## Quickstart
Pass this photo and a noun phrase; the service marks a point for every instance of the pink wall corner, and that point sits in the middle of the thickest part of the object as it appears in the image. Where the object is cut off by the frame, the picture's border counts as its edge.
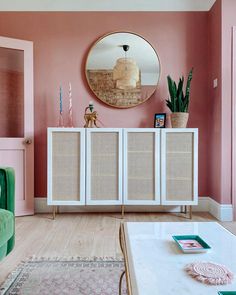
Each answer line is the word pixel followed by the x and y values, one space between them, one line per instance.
pixel 215 103
pixel 61 43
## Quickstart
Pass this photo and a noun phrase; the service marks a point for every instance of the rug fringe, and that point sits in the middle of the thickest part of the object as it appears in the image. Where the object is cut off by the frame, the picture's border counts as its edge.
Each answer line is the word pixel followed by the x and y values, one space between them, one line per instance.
pixel 74 258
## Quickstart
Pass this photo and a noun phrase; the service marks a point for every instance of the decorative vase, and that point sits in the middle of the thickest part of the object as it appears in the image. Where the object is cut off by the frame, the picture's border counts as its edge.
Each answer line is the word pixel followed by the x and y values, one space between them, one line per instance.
pixel 179 120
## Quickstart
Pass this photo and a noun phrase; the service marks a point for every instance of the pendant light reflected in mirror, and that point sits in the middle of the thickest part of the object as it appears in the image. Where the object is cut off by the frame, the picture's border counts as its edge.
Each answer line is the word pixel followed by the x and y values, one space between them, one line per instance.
pixel 126 71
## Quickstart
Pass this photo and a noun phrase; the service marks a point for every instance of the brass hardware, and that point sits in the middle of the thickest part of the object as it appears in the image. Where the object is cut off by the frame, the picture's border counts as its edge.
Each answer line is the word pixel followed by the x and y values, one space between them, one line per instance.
pixel 190 212
pixel 124 250
pixel 120 282
pixel 28 141
pixel 55 210
pixel 90 118
pixel 185 209
pixel 121 246
pixel 123 211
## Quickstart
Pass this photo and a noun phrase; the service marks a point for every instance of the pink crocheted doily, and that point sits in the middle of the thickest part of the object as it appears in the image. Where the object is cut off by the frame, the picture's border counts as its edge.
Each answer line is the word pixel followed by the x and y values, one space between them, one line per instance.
pixel 210 273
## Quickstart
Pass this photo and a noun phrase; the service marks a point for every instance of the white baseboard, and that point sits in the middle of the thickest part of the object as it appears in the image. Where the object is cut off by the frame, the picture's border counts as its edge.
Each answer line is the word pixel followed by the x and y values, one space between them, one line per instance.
pixel 222 212
pixel 205 204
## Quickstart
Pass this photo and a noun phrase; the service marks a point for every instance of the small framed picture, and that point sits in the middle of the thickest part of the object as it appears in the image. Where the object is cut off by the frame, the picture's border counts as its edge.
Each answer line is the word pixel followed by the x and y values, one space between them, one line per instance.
pixel 160 120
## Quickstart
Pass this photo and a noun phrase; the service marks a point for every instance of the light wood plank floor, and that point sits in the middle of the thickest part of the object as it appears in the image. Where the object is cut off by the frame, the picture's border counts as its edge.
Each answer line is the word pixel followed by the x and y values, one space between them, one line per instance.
pixel 83 235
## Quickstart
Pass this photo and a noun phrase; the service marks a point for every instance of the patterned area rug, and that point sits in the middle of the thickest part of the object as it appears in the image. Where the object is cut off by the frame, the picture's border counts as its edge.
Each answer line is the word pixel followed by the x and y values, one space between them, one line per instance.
pixel 74 277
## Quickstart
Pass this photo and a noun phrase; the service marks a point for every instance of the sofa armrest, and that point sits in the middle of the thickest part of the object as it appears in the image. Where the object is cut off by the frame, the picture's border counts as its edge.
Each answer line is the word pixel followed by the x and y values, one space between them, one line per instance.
pixel 7 183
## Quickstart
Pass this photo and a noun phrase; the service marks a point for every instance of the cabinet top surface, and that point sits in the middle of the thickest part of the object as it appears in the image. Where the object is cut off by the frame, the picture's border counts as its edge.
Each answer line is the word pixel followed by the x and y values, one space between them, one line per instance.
pixel 156 262
pixel 67 129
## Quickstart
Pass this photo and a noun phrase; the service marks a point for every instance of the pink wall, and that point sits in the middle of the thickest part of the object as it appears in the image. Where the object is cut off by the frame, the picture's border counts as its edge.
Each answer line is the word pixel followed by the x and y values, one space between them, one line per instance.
pixel 61 43
pixel 221 20
pixel 214 108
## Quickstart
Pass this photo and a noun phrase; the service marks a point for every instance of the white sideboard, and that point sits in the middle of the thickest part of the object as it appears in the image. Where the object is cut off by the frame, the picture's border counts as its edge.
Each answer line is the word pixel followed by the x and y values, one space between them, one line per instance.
pixel 122 166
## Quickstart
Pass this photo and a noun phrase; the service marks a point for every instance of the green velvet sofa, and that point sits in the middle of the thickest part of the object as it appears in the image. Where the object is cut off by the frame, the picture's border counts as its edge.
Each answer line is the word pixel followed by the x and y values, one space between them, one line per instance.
pixel 7 206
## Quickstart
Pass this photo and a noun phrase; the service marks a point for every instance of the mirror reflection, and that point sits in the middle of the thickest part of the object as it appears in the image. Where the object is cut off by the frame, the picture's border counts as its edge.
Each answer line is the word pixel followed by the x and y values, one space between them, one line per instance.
pixel 122 69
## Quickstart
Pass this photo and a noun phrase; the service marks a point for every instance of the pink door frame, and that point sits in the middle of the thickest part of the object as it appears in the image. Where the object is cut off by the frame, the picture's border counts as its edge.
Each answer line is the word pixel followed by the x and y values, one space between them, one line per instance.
pixel 19 152
pixel 234 120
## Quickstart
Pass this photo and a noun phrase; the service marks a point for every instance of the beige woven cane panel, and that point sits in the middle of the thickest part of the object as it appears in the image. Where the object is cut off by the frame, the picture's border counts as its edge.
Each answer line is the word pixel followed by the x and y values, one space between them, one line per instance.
pixel 179 190
pixel 141 166
pixel 179 166
pixel 66 166
pixel 179 142
pixel 104 165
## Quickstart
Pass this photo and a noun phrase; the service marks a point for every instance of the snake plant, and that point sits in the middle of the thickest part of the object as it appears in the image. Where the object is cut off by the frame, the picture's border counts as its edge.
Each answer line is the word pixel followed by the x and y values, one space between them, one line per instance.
pixel 178 101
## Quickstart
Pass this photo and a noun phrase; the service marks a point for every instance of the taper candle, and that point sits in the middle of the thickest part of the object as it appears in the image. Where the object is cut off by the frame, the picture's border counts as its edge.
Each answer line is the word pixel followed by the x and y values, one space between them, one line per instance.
pixel 70 98
pixel 70 106
pixel 60 100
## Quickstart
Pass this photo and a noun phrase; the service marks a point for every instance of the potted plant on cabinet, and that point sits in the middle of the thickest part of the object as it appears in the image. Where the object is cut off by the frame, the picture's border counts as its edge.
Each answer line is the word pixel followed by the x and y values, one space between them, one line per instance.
pixel 178 102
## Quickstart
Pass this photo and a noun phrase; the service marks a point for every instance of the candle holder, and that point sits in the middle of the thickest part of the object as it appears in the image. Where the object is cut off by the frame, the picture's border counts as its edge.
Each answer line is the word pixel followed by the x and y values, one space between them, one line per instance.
pixel 60 121
pixel 90 116
pixel 70 121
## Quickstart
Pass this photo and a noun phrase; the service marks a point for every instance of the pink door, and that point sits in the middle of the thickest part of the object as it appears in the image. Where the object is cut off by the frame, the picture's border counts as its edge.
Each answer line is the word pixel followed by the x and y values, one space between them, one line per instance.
pixel 16 118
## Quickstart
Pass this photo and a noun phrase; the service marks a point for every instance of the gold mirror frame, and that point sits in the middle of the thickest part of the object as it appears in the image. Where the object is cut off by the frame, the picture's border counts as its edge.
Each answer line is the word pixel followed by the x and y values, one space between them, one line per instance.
pixel 98 76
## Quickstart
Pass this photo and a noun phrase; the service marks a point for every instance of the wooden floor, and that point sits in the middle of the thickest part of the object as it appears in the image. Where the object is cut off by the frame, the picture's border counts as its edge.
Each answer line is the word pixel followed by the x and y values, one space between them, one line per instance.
pixel 83 235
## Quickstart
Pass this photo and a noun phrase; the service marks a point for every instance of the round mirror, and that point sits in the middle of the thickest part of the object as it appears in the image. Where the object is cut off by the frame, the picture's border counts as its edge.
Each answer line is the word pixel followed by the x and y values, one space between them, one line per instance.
pixel 122 69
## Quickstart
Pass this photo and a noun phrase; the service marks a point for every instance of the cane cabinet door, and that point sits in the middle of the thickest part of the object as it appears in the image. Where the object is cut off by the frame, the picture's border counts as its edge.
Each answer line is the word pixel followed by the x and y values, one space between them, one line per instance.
pixel 66 166
pixel 142 166
pixel 104 166
pixel 179 166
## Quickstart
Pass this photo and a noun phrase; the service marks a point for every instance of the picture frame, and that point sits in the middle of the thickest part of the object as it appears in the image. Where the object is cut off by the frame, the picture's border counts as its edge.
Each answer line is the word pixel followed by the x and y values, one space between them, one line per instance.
pixel 160 120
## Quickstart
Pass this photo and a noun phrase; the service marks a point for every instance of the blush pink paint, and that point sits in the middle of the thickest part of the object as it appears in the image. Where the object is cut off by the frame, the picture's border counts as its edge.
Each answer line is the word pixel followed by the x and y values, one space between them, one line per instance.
pixel 61 43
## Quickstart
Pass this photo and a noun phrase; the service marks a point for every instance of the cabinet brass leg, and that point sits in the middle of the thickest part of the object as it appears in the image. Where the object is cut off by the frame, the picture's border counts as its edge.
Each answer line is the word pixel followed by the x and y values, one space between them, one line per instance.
pixel 185 209
pixel 190 212
pixel 120 282
pixel 55 210
pixel 123 211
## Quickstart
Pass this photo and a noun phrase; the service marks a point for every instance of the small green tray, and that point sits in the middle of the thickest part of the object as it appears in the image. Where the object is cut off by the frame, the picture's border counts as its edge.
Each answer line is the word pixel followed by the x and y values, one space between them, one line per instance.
pixel 203 246
pixel 227 293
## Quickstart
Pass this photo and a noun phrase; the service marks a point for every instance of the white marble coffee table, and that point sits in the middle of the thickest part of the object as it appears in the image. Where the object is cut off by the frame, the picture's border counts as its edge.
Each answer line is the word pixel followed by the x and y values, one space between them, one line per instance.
pixel 155 265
